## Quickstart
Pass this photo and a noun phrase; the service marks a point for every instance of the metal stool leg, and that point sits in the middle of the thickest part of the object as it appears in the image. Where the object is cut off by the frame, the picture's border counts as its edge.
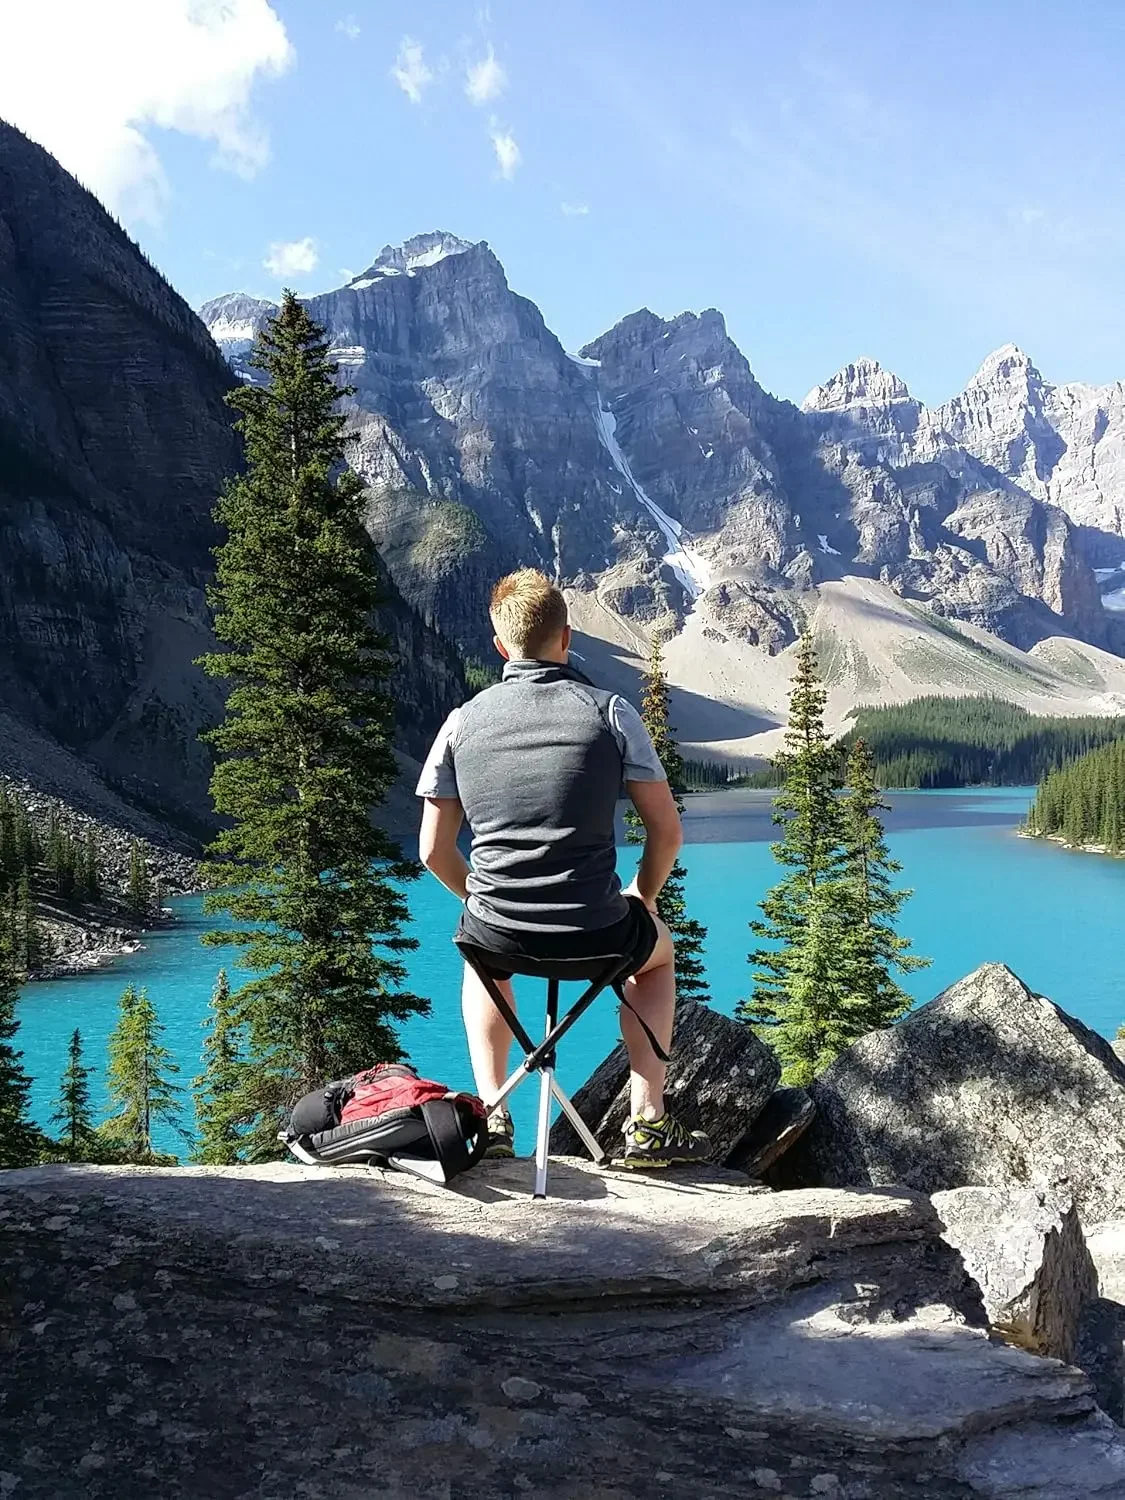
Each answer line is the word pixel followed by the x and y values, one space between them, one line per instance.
pixel 546 1083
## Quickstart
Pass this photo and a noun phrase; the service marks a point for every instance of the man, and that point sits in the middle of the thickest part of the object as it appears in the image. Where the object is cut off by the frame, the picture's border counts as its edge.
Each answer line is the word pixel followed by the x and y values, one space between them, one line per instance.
pixel 536 764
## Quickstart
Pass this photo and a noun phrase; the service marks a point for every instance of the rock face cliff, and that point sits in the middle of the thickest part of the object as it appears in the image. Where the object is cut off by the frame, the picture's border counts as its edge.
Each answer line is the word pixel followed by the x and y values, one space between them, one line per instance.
pixel 114 442
pixel 653 474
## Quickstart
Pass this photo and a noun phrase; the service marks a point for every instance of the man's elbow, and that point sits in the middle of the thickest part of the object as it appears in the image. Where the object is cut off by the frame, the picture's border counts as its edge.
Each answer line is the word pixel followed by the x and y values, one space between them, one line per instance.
pixel 428 853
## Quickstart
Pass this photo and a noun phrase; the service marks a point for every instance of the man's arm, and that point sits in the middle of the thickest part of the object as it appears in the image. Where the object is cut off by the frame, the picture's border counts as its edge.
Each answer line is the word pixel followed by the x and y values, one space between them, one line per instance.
pixel 437 843
pixel 664 837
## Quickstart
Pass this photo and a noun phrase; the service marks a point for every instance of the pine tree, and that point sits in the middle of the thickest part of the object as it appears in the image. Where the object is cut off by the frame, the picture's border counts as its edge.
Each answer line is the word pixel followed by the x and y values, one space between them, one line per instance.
pixel 20 1142
pixel 138 895
pixel 799 985
pixel 671 905
pixel 9 854
pixel 90 872
pixel 30 948
pixel 217 1090
pixel 139 1081
pixel 872 949
pixel 305 749
pixel 72 1107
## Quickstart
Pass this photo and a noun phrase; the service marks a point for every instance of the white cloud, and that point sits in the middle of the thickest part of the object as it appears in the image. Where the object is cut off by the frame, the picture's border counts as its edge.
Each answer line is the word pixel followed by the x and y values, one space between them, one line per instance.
pixel 508 155
pixel 485 80
pixel 410 71
pixel 291 258
pixel 575 210
pixel 89 82
pixel 349 27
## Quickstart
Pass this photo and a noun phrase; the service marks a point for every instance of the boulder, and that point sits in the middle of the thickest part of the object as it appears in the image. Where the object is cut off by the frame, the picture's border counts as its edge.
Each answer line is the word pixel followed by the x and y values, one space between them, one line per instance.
pixel 1107 1247
pixel 1101 1354
pixel 719 1080
pixel 1025 1249
pixel 787 1115
pixel 989 1084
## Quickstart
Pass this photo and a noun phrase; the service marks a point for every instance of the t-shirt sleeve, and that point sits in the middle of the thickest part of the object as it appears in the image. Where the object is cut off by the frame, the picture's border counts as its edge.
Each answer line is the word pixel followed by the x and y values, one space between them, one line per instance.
pixel 637 750
pixel 438 778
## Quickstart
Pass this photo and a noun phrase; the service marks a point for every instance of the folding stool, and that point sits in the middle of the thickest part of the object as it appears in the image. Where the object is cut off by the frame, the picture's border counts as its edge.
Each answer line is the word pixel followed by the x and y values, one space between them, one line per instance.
pixel 601 972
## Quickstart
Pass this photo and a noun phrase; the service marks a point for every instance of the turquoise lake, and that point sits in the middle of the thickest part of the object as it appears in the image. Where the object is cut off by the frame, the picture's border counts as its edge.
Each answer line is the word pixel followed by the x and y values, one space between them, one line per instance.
pixel 981 893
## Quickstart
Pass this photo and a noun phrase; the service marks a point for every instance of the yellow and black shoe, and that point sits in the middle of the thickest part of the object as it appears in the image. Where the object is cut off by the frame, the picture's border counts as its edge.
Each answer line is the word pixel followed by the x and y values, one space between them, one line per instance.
pixel 664 1143
pixel 501 1135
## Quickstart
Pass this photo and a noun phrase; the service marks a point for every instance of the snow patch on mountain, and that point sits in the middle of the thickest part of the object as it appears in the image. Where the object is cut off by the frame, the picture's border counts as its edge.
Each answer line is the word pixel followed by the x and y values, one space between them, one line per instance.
pixel 691 569
pixel 407 259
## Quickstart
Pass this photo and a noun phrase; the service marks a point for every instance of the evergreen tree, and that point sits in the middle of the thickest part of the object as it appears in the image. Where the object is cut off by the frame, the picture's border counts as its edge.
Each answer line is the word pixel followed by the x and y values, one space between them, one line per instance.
pixel 20 1142
pixel 671 905
pixel 799 984
pixel 9 854
pixel 305 749
pixel 88 874
pixel 139 1081
pixel 138 895
pixel 871 949
pixel 217 1089
pixel 72 1107
pixel 29 946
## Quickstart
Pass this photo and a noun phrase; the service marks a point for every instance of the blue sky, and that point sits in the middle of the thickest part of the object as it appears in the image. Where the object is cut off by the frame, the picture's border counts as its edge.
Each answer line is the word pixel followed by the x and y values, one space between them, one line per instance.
pixel 916 183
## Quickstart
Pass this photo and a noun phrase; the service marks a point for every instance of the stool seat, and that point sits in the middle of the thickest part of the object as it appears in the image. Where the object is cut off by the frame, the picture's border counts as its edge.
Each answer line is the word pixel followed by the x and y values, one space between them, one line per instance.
pixel 599 973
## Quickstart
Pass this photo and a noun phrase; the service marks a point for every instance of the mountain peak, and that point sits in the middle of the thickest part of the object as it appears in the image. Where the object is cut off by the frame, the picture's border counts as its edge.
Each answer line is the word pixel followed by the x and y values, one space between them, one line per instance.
pixel 412 255
pixel 862 383
pixel 233 320
pixel 1007 365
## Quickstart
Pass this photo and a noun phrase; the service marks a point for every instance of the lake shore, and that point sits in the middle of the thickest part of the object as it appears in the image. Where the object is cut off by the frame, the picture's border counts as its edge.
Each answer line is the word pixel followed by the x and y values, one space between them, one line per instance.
pixel 1057 838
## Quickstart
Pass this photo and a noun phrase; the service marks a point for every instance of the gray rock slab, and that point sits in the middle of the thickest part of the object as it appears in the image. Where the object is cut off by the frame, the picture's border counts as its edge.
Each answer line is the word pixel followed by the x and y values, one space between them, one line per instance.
pixel 988 1084
pixel 818 1360
pixel 719 1081
pixel 602 1236
pixel 1026 1251
pixel 281 1331
pixel 1038 1461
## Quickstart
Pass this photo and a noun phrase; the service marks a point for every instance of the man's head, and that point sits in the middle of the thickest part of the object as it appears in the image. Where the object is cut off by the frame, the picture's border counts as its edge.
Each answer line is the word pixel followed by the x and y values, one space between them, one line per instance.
pixel 529 617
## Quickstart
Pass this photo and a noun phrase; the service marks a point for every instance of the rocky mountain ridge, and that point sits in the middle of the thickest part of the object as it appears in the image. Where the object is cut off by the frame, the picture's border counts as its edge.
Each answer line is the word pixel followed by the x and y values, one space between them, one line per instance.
pixel 653 475
pixel 114 443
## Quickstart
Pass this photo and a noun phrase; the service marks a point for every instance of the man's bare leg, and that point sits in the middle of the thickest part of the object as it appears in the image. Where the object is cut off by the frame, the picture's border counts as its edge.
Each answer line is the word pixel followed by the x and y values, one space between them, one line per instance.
pixel 652 994
pixel 489 1035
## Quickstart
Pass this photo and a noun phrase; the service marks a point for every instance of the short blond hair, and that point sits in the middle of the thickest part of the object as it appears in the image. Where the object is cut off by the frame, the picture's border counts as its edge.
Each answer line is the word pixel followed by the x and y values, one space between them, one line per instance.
pixel 527 611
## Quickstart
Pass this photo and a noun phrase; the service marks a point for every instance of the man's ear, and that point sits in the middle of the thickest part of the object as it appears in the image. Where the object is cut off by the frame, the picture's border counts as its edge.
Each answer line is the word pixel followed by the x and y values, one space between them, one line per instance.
pixel 567 636
pixel 500 646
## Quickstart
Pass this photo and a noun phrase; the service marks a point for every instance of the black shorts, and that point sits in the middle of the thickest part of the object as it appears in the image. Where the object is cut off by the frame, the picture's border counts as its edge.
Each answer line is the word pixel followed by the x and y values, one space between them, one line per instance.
pixel 634 937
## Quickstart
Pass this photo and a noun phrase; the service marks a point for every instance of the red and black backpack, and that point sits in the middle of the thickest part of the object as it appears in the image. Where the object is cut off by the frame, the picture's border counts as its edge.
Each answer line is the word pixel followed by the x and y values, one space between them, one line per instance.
pixel 389 1115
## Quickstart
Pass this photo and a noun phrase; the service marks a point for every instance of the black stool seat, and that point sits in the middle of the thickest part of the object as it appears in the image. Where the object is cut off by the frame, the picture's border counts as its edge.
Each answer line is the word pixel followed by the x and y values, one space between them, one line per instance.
pixel 599 973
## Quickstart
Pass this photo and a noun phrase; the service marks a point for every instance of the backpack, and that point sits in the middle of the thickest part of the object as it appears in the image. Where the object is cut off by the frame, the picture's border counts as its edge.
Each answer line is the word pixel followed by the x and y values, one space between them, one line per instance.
pixel 390 1116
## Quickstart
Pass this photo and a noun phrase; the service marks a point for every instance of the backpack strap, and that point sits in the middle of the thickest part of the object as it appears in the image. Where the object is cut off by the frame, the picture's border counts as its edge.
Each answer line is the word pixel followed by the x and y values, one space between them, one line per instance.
pixel 443 1119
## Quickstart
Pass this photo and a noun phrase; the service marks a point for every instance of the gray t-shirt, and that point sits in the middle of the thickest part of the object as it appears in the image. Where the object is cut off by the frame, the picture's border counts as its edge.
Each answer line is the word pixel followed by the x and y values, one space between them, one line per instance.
pixel 638 753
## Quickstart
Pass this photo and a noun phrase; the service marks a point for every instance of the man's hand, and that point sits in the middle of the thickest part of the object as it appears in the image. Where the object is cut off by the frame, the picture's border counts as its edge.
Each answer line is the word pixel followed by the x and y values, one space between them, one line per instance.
pixel 632 890
pixel 437 843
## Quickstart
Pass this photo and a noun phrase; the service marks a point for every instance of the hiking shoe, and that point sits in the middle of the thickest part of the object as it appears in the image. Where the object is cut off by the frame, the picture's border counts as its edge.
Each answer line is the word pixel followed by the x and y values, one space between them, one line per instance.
pixel 501 1134
pixel 663 1143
